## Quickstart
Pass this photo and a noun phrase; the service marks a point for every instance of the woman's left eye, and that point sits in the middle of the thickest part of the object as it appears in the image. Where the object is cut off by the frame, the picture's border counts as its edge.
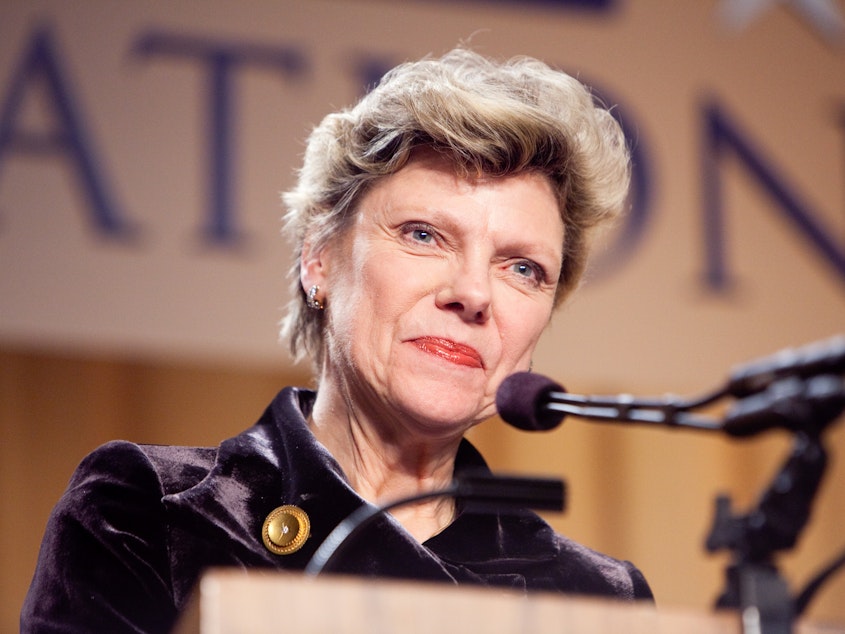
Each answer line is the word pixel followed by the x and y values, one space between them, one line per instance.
pixel 419 232
pixel 421 235
pixel 529 270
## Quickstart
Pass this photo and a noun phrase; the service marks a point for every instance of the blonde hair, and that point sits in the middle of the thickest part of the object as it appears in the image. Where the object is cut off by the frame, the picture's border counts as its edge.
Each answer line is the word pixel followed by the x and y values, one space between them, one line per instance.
pixel 488 118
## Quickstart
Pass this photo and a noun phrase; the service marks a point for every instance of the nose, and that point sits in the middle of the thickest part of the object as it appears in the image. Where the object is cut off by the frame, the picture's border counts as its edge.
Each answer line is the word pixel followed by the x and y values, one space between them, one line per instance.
pixel 467 293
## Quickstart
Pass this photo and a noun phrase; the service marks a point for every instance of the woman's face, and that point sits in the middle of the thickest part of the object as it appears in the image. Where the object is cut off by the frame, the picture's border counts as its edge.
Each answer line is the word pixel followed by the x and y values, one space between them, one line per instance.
pixel 440 289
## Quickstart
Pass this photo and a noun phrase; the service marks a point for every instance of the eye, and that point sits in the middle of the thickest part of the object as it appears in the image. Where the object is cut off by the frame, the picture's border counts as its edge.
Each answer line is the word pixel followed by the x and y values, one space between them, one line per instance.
pixel 419 232
pixel 421 235
pixel 529 270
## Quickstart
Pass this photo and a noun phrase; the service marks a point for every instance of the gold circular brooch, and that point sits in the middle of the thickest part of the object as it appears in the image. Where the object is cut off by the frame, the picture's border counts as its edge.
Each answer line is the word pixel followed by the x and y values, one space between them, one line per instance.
pixel 286 529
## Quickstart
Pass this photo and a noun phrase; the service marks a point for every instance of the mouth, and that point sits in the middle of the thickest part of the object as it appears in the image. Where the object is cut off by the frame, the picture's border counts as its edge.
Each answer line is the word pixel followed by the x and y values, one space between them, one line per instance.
pixel 447 350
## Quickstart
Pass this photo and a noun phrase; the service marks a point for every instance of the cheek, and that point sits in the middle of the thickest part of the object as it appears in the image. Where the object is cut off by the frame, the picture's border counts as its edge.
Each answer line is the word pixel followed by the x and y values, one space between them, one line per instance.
pixel 393 283
pixel 521 329
pixel 378 283
pixel 375 295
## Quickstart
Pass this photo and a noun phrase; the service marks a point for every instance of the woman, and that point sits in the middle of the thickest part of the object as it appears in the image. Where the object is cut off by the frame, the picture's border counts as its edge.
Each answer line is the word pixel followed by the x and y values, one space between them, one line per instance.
pixel 438 223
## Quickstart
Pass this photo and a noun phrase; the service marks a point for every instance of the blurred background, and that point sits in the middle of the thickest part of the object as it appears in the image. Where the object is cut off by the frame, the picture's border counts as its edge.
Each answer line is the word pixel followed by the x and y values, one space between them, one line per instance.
pixel 143 147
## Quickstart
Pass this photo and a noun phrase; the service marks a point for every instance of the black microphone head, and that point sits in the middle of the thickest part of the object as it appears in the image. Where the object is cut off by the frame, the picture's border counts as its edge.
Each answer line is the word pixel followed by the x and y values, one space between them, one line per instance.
pixel 521 402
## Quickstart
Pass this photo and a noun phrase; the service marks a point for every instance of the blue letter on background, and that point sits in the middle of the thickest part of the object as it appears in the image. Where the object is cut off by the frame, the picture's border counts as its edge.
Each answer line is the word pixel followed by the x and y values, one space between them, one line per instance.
pixel 42 62
pixel 721 135
pixel 221 60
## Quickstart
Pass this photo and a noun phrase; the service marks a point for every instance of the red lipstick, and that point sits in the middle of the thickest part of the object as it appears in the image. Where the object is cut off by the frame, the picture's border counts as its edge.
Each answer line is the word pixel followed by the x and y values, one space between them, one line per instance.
pixel 450 351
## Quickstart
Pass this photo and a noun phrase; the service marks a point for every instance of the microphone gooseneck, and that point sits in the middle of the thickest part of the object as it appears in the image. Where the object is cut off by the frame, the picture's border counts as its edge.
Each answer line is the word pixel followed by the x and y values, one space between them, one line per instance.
pixel 775 392
pixel 483 490
pixel 532 402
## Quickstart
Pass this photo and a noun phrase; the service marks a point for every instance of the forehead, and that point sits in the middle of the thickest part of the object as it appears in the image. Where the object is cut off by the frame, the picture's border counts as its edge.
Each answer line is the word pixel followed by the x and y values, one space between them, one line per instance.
pixel 432 183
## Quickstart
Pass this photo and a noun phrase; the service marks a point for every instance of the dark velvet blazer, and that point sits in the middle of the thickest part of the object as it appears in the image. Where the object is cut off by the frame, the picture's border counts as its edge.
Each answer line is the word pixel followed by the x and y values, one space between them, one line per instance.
pixel 138 524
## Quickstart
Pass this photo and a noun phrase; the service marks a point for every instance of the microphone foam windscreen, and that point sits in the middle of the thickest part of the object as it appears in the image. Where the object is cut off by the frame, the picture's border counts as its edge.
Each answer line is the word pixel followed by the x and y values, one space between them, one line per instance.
pixel 521 401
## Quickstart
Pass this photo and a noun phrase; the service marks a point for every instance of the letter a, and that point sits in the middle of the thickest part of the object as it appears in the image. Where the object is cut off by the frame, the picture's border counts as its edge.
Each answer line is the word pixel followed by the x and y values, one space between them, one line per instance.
pixel 67 138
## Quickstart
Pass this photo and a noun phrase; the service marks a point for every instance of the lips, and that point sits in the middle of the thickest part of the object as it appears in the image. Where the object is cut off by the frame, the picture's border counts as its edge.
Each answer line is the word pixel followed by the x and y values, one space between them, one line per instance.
pixel 451 351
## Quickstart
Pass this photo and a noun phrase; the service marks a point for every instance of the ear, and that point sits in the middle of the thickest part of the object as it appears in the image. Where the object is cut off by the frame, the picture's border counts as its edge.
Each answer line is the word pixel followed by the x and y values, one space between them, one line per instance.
pixel 312 267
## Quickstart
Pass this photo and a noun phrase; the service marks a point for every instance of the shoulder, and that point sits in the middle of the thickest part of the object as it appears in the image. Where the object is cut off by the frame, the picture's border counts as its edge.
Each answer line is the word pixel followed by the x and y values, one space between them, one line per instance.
pixel 103 558
pixel 125 483
pixel 113 465
pixel 179 468
pixel 592 572
pixel 159 468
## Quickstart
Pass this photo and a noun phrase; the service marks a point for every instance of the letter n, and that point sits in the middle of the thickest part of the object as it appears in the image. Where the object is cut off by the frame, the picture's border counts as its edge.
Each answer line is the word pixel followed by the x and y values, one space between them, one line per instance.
pixel 723 136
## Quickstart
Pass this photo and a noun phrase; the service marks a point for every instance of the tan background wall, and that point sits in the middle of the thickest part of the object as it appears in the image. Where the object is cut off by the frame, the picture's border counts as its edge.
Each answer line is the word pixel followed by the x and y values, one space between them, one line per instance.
pixel 167 340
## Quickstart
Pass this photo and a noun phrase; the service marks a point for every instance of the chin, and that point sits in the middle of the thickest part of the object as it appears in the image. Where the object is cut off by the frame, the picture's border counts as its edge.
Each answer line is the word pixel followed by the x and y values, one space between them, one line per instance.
pixel 443 396
pixel 446 415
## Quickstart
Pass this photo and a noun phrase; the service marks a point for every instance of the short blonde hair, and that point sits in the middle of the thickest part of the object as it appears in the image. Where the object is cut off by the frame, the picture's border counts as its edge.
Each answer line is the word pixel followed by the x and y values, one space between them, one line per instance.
pixel 488 118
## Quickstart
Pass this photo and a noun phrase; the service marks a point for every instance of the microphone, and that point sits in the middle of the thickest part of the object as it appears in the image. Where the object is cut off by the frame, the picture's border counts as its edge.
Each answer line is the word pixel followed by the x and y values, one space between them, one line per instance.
pixel 532 402
pixel 796 389
pixel 794 404
pixel 522 400
pixel 823 357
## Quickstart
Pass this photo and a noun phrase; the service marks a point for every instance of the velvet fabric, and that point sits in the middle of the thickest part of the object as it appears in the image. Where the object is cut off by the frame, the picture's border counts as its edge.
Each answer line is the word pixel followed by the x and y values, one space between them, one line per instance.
pixel 138 524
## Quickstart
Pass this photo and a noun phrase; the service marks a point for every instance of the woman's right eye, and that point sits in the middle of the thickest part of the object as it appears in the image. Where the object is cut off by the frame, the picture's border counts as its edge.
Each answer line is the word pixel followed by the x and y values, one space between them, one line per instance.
pixel 419 232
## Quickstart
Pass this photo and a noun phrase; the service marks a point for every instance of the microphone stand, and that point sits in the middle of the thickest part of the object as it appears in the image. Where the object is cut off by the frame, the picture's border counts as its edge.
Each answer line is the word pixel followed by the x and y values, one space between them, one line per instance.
pixel 753 583
pixel 803 403
pixel 801 391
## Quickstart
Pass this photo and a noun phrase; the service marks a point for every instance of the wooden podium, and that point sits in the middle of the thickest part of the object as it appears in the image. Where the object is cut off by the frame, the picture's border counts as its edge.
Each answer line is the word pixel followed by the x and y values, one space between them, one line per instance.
pixel 238 602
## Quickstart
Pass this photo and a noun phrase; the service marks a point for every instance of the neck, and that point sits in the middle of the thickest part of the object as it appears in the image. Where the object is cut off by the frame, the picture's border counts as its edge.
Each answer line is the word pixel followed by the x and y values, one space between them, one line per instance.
pixel 385 463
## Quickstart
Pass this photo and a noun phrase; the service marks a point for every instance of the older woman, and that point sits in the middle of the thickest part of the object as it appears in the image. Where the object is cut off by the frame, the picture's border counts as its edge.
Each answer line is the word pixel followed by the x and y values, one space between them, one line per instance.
pixel 438 223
